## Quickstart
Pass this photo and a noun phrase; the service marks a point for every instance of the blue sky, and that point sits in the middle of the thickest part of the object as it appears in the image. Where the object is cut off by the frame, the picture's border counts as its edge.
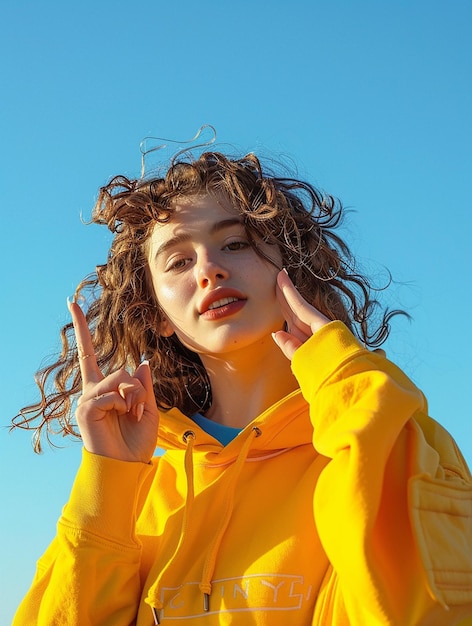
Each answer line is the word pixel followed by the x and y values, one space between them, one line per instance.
pixel 371 101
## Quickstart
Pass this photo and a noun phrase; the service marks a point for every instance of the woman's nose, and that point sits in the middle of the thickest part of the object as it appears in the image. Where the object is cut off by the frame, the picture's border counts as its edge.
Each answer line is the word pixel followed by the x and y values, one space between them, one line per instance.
pixel 210 271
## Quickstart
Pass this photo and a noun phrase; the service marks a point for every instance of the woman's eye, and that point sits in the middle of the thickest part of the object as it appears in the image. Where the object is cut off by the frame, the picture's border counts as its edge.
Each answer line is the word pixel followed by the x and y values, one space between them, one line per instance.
pixel 237 245
pixel 177 264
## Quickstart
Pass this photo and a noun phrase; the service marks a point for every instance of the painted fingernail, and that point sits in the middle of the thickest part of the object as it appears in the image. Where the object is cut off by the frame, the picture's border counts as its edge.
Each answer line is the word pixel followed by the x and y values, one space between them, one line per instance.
pixel 139 411
pixel 126 398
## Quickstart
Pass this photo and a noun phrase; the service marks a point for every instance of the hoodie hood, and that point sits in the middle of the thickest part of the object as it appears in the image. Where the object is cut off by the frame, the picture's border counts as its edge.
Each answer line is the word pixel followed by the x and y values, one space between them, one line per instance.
pixel 277 430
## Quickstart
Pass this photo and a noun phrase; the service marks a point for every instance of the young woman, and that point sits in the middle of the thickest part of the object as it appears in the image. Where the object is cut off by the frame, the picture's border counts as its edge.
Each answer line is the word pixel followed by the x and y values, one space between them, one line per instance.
pixel 302 480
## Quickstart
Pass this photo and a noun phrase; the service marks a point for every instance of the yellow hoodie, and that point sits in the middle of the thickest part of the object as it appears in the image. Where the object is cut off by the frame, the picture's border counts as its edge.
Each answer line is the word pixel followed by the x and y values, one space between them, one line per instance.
pixel 343 504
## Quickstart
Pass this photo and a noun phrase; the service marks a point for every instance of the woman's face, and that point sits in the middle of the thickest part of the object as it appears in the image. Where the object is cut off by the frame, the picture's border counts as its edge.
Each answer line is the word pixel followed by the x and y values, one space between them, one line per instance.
pixel 217 294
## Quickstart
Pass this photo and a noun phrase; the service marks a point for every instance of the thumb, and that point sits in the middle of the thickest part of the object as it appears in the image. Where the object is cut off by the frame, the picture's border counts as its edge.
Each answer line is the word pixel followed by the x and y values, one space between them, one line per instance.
pixel 143 374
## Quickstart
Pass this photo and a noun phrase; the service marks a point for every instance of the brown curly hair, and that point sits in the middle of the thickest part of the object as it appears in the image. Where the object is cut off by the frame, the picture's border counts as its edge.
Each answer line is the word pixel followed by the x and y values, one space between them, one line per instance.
pixel 124 316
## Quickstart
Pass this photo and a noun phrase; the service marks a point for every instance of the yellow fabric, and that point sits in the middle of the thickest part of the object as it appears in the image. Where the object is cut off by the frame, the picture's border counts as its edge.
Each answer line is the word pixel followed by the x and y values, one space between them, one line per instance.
pixel 343 504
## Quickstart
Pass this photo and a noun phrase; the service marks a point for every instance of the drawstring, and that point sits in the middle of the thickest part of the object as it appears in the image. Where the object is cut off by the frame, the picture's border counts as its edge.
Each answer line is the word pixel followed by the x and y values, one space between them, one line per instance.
pixel 210 562
pixel 189 439
pixel 209 567
pixel 155 614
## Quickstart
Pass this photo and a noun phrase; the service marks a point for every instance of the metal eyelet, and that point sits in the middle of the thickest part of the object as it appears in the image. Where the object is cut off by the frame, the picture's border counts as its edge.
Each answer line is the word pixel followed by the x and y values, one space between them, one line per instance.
pixel 257 430
pixel 187 435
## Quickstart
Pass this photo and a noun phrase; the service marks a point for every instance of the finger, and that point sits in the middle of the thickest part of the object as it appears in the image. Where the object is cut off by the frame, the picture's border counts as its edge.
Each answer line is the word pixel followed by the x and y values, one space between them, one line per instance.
pixel 118 392
pixel 307 317
pixel 290 315
pixel 287 343
pixel 143 374
pixel 96 407
pixel 128 388
pixel 301 335
pixel 89 369
pixel 136 397
pixel 138 391
pixel 295 303
pixel 130 393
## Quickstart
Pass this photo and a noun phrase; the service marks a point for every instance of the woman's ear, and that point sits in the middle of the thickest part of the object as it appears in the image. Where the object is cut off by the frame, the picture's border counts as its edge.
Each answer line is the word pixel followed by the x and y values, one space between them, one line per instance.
pixel 165 329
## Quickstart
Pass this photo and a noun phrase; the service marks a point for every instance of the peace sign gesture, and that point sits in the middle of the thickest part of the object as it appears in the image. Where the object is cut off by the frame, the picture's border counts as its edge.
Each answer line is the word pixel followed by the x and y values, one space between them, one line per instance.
pixel 117 414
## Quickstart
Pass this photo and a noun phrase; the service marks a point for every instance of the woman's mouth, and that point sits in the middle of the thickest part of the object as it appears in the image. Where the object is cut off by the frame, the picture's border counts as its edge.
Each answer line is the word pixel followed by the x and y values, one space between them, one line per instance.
pixel 222 302
pixel 223 308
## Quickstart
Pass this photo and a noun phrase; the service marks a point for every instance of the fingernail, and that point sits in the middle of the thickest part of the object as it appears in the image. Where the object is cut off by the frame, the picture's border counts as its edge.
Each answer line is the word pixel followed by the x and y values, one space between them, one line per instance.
pixel 127 398
pixel 139 411
pixel 68 302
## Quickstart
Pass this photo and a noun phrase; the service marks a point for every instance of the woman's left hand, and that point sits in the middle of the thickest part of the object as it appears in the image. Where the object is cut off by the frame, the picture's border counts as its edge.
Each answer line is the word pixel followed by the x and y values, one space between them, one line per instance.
pixel 302 319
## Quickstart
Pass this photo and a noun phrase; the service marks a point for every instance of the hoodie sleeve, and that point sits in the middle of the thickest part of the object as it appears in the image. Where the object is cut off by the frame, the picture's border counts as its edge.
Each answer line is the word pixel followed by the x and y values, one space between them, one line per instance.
pixel 90 572
pixel 393 513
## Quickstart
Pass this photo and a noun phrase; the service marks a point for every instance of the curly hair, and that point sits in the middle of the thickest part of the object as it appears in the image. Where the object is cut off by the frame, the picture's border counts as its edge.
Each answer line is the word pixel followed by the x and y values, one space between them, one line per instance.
pixel 124 315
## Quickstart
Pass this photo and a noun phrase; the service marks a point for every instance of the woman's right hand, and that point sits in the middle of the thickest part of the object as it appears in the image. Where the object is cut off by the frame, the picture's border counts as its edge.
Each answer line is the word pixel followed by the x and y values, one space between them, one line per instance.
pixel 117 415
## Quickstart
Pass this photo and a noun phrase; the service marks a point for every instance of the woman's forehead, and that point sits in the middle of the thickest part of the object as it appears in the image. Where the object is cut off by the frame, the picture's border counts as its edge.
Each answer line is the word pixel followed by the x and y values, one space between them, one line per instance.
pixel 195 215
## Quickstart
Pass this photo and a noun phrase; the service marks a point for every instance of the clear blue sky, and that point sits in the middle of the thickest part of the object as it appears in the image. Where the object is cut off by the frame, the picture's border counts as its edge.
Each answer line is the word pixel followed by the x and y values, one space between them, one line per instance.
pixel 371 100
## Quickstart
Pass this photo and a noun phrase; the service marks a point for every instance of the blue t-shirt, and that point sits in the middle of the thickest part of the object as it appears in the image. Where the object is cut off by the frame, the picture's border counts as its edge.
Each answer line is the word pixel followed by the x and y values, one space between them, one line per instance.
pixel 223 434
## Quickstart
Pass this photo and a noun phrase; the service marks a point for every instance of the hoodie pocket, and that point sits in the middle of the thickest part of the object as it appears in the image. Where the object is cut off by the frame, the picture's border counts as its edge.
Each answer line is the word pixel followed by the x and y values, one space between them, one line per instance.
pixel 441 514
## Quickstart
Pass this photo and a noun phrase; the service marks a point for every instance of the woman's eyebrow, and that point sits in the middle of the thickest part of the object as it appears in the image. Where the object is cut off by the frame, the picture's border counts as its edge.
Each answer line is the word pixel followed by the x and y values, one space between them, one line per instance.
pixel 217 226
pixel 183 237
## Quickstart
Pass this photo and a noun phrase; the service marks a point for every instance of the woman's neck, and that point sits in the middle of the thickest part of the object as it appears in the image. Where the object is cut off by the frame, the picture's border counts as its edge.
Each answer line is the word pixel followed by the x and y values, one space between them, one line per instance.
pixel 247 382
